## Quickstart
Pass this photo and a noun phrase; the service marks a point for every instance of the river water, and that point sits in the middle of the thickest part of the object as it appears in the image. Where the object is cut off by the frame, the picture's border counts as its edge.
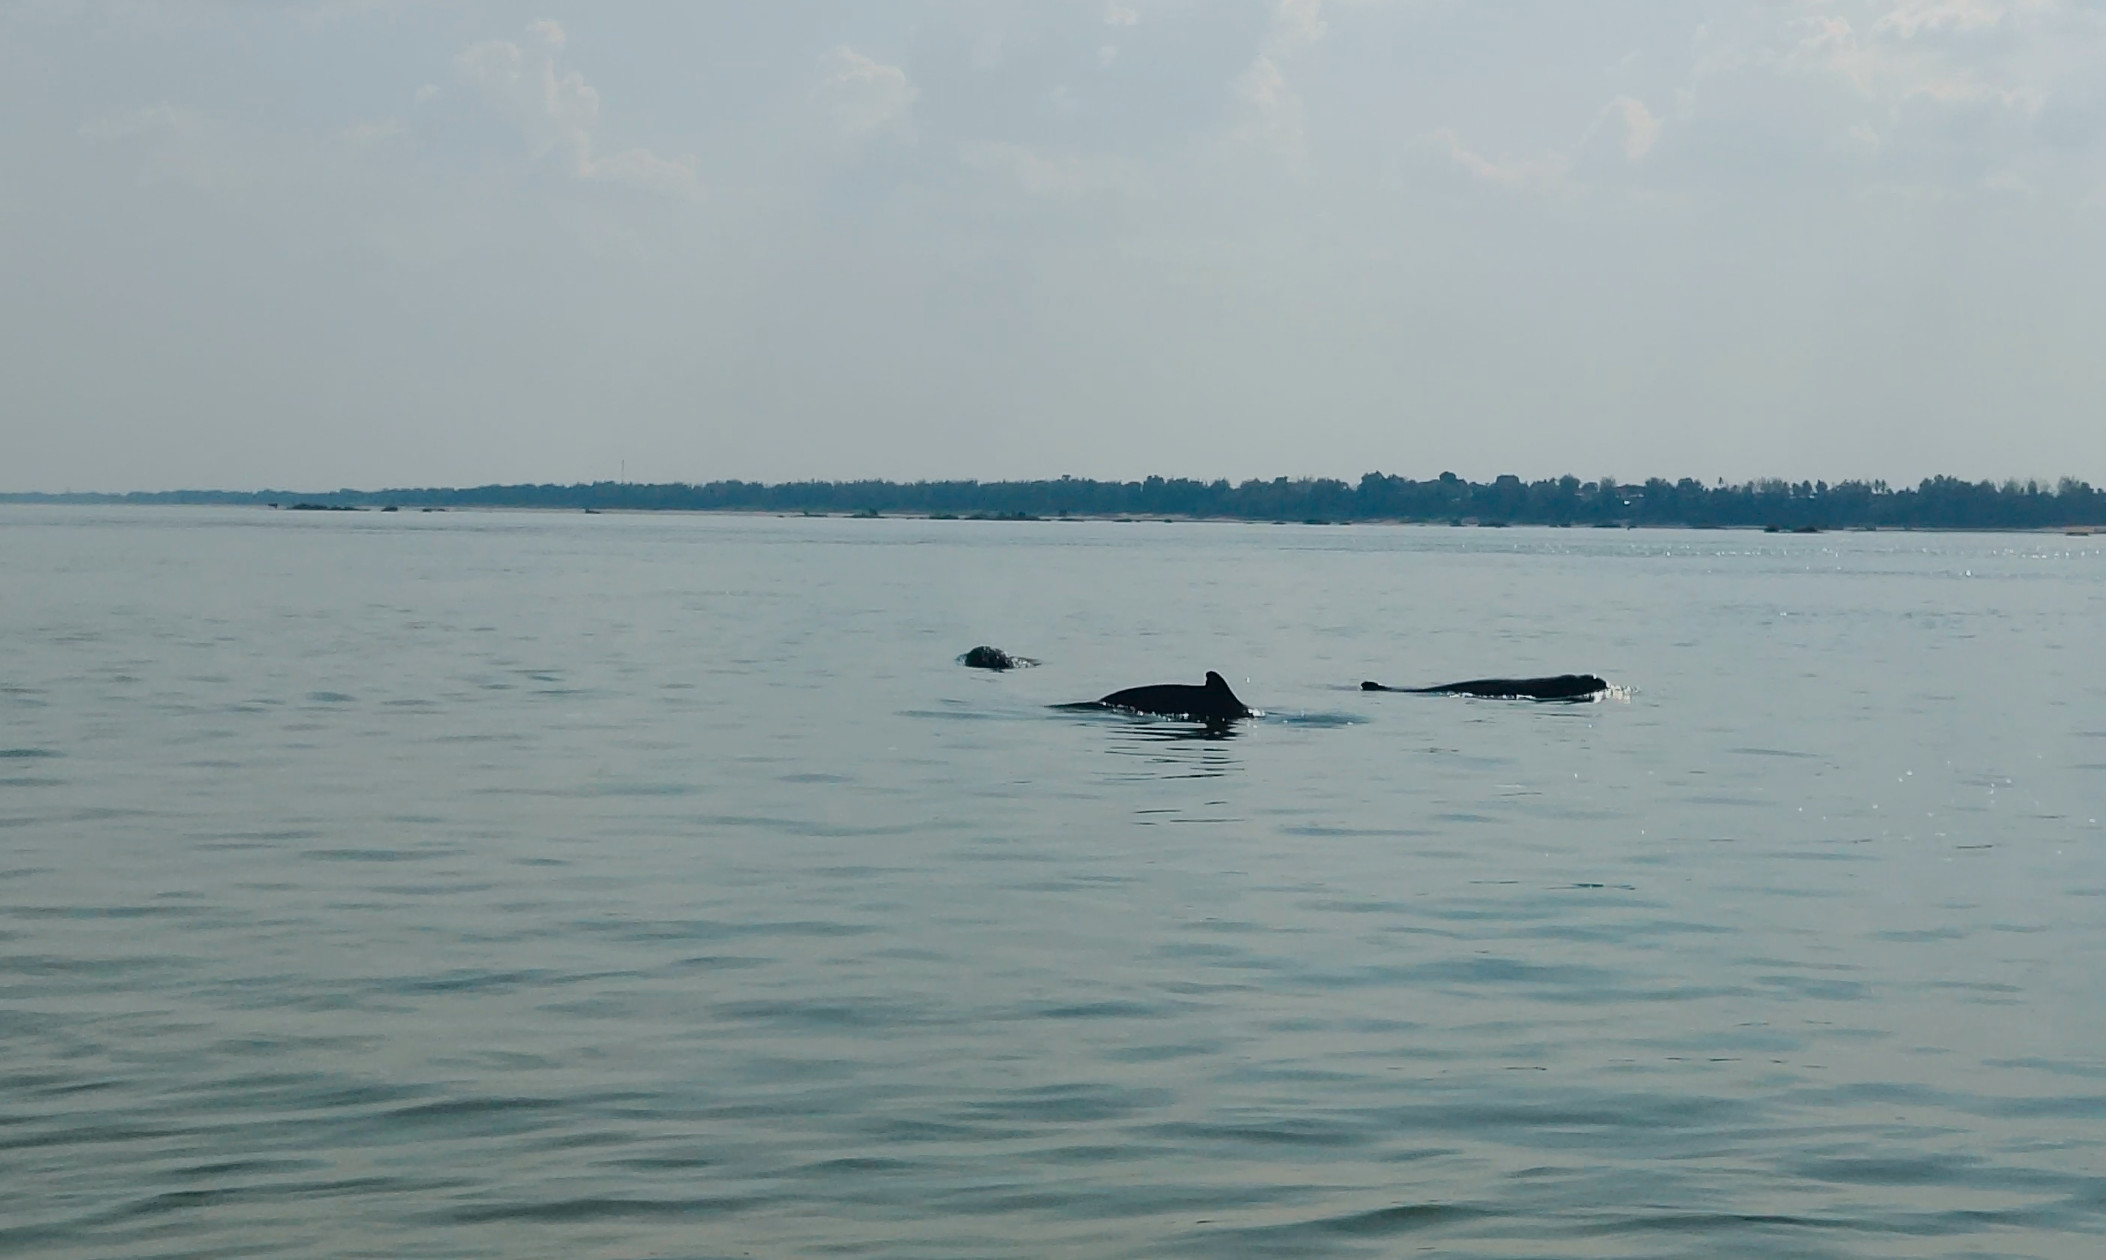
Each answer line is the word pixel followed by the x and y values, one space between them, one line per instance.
pixel 534 885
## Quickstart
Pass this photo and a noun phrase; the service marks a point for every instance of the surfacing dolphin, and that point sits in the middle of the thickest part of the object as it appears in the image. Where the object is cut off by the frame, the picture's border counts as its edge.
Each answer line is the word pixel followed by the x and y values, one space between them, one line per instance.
pixel 984 657
pixel 1562 687
pixel 1211 703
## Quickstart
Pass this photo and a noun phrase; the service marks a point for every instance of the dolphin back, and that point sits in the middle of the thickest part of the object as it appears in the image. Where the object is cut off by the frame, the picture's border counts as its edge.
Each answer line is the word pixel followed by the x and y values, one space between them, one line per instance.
pixel 1212 702
pixel 1555 687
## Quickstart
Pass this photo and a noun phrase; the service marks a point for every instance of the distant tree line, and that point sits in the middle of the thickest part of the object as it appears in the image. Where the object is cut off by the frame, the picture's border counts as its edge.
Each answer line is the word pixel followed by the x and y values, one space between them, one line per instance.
pixel 1937 503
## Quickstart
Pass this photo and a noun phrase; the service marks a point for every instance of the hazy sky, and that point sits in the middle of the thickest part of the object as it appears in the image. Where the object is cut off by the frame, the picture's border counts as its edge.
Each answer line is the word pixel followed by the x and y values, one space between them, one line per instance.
pixel 369 243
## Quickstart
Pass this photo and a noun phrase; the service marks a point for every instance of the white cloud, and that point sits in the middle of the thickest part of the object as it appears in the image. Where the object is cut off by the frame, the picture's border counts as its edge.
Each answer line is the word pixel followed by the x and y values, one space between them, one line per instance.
pixel 1889 57
pixel 557 112
pixel 1536 174
pixel 1559 170
pixel 151 120
pixel 1907 17
pixel 183 145
pixel 1276 109
pixel 865 96
pixel 641 168
pixel 1641 128
pixel 368 134
pixel 1295 23
pixel 1115 14
pixel 1264 86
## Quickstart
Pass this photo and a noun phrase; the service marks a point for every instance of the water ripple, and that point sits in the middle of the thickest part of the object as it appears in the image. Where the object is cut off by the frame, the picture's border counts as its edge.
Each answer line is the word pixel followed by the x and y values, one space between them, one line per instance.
pixel 508 885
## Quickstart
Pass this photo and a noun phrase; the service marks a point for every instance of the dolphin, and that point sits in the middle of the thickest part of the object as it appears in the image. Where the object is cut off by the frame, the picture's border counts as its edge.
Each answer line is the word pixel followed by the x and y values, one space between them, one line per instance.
pixel 1211 703
pixel 994 658
pixel 1562 687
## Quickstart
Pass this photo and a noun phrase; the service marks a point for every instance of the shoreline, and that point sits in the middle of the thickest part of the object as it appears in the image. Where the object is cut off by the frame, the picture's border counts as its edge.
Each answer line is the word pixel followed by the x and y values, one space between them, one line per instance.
pixel 1768 504
pixel 308 507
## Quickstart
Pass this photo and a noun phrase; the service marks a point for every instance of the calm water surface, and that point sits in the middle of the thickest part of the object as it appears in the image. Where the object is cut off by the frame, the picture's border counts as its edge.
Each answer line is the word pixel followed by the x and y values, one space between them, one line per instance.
pixel 512 885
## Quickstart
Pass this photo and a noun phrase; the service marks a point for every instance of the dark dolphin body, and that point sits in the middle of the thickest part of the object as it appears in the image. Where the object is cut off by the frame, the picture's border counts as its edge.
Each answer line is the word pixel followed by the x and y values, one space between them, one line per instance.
pixel 1212 703
pixel 994 658
pixel 1562 687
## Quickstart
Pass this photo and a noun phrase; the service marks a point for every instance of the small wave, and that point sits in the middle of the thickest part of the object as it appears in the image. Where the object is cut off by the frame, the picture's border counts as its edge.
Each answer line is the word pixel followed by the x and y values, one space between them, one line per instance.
pixel 1174 731
pixel 583 1210
pixel 1318 1234
pixel 1306 718
pixel 1106 1009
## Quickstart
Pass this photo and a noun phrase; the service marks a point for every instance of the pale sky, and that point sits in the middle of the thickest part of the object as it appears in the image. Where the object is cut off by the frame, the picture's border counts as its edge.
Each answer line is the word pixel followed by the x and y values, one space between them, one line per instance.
pixel 369 243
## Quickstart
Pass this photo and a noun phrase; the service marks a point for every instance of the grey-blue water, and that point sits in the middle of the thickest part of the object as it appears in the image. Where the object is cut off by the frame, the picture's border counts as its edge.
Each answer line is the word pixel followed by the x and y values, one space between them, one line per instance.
pixel 519 885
